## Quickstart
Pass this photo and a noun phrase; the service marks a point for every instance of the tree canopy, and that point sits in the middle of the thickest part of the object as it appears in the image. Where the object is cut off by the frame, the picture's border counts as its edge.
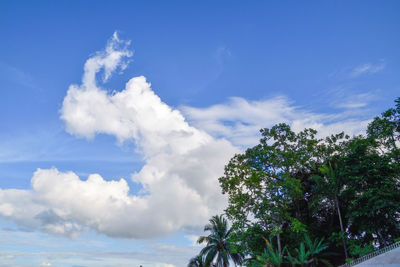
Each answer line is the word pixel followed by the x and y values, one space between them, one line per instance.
pixel 342 189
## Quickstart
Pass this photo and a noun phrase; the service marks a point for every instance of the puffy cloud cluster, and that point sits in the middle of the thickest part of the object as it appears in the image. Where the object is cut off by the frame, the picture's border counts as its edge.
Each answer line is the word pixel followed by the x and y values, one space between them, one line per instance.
pixel 179 178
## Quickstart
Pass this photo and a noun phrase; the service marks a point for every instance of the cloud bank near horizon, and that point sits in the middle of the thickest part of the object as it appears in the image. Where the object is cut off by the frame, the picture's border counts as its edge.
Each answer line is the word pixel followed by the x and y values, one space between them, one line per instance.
pixel 182 161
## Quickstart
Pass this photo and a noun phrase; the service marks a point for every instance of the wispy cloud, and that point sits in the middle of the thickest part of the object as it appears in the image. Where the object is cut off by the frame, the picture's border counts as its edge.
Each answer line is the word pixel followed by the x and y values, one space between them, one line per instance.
pixel 17 75
pixel 240 120
pixel 356 101
pixel 348 98
pixel 367 68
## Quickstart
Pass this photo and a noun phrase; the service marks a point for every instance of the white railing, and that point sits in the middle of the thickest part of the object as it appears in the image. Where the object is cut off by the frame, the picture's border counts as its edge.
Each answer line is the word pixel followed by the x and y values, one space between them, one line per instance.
pixel 371 255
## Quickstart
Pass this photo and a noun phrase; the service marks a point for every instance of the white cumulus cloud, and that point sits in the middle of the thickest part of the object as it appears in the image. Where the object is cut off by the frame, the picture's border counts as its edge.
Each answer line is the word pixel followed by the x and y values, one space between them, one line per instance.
pixel 179 178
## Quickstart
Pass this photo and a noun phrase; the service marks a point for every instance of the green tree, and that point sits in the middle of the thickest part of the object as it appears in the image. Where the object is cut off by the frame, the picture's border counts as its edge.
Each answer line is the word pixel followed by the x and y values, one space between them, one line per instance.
pixel 219 249
pixel 340 188
pixel 385 129
pixel 266 184
pixel 373 192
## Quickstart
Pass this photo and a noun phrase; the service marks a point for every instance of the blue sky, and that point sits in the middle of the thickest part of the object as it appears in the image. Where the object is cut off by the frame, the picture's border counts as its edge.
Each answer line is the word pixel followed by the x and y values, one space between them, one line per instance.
pixel 208 74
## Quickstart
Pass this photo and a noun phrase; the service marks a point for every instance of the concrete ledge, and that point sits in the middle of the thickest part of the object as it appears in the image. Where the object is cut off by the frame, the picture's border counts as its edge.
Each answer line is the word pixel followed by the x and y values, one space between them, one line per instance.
pixel 390 258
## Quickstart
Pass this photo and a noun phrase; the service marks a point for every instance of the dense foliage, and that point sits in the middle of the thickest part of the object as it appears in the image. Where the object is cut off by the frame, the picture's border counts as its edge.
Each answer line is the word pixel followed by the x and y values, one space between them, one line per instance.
pixel 292 191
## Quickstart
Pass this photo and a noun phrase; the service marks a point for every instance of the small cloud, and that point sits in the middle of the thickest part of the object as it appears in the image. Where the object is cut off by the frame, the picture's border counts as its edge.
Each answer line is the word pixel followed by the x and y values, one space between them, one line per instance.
pixel 45 264
pixel 356 101
pixel 367 68
pixel 348 98
pixel 222 53
pixel 17 75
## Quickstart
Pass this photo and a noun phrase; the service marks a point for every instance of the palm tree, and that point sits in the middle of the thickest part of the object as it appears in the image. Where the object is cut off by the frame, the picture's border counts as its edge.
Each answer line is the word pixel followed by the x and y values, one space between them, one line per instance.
pixel 219 246
pixel 197 261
